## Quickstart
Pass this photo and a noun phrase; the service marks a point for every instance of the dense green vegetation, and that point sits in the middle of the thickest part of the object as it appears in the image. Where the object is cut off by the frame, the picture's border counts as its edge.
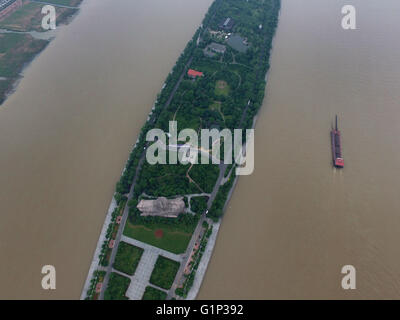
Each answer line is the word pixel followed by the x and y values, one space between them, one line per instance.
pixel 164 272
pixel 111 233
pixel 227 96
pixel 98 276
pixel 170 180
pixel 198 204
pixel 218 204
pixel 190 106
pixel 117 287
pixel 127 258
pixel 189 278
pixel 220 99
pixel 152 293
pixel 165 180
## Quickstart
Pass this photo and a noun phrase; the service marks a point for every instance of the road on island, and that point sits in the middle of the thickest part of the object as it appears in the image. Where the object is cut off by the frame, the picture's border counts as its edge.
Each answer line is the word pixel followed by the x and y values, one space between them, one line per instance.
pixel 131 192
pixel 130 195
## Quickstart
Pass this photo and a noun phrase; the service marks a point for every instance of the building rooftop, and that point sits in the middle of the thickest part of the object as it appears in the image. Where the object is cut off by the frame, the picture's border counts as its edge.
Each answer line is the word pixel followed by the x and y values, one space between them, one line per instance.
pixel 217 47
pixel 227 24
pixel 162 207
pixel 213 48
pixel 5 3
pixel 194 73
pixel 238 43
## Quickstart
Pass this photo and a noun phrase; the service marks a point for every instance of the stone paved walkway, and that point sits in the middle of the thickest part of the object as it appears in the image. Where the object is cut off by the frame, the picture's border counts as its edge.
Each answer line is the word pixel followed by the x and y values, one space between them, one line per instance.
pixel 140 280
pixel 156 250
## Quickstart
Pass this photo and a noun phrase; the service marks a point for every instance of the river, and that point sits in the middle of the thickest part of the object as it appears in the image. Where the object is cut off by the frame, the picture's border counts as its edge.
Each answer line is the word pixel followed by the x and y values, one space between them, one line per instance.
pixel 296 221
pixel 67 131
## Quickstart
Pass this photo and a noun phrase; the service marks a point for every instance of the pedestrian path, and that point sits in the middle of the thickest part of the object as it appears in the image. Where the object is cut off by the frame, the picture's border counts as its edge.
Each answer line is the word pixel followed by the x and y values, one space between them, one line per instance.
pixel 151 248
pixel 140 280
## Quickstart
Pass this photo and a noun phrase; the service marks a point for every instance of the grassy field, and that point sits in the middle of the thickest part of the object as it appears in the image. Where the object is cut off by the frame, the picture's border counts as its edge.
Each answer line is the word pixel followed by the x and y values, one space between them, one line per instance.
pixel 164 272
pixel 217 106
pixel 15 51
pixel 222 88
pixel 153 294
pixel 173 238
pixel 198 204
pixel 117 287
pixel 127 258
pixel 29 17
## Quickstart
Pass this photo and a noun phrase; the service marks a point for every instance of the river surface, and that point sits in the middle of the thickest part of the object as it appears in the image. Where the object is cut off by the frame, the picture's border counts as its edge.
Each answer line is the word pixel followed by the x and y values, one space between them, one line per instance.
pixel 67 131
pixel 296 221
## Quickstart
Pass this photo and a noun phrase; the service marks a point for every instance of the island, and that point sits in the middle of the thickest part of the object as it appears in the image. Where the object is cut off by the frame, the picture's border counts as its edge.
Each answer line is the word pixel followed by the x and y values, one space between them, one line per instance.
pixel 162 224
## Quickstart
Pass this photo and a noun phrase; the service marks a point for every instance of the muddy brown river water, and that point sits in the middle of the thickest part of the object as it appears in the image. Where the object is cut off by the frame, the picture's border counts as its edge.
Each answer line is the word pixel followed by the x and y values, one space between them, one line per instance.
pixel 296 221
pixel 67 131
pixel 290 227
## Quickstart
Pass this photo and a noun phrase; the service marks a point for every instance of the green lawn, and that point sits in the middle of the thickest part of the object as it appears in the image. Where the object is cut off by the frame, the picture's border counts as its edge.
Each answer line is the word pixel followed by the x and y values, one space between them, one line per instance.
pixel 117 287
pixel 127 258
pixel 198 204
pixel 173 239
pixel 164 272
pixel 153 294
pixel 222 88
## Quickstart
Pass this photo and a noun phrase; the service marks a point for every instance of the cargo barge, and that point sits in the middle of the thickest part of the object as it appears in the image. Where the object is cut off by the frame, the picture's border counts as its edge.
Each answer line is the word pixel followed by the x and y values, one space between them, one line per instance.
pixel 337 157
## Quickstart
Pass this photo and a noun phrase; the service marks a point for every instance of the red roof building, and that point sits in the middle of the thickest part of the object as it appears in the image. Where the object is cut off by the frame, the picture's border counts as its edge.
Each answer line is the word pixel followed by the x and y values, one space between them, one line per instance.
pixel 194 74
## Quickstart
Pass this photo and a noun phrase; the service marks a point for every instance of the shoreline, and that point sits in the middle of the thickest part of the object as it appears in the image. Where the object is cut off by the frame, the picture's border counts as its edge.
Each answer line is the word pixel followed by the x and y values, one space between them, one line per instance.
pixel 91 281
pixel 96 255
pixel 205 259
pixel 47 36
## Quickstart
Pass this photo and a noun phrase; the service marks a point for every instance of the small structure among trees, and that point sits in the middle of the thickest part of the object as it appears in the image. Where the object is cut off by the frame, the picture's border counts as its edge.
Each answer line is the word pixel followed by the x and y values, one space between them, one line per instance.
pixel 227 24
pixel 194 74
pixel 214 48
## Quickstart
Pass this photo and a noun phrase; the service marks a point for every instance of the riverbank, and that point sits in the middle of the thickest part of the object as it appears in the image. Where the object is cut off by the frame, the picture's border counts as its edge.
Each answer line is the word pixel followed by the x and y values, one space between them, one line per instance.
pixel 170 95
pixel 94 266
pixel 68 129
pixel 22 38
pixel 205 260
